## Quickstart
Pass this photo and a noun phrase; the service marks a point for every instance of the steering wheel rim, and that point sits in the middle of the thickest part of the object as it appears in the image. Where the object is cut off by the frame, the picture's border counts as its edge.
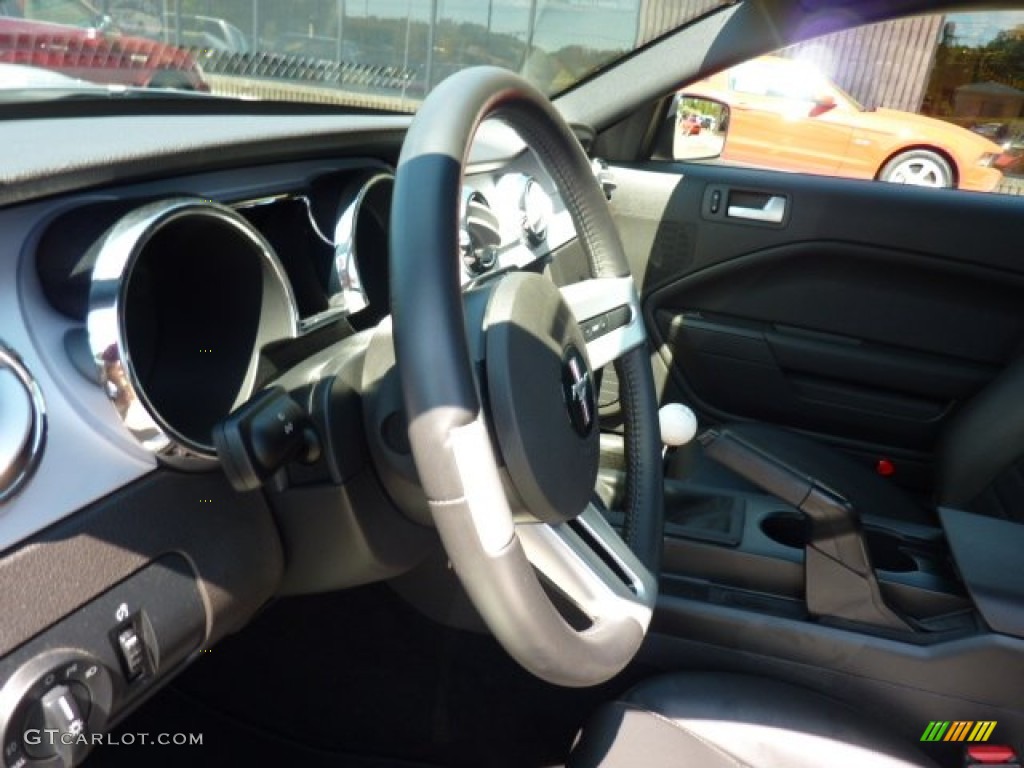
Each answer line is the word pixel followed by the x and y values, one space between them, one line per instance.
pixel 494 557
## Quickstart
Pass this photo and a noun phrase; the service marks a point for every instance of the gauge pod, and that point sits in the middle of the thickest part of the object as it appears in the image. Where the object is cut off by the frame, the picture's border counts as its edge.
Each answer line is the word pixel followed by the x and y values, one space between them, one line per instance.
pixel 362 231
pixel 184 295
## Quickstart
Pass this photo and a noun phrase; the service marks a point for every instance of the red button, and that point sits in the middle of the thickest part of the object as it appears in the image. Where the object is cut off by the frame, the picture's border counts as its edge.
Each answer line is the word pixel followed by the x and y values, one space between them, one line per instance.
pixel 991 754
pixel 885 468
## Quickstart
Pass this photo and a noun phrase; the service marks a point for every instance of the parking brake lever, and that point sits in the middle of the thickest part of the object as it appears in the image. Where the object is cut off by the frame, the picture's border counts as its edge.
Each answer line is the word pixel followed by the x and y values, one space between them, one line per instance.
pixel 840 580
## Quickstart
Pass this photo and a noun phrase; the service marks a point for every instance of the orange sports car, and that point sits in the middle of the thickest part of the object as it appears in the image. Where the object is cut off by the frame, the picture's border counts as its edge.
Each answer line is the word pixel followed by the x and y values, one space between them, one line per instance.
pixel 784 114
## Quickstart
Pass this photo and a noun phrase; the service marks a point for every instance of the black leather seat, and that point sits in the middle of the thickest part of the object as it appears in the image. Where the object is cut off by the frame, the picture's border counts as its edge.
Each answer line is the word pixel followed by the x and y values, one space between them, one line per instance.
pixel 718 720
pixel 979 460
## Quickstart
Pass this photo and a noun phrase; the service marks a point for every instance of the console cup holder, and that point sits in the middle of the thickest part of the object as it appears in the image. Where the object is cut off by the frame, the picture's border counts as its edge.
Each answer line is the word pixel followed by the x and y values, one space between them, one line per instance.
pixel 887 554
pixel 792 530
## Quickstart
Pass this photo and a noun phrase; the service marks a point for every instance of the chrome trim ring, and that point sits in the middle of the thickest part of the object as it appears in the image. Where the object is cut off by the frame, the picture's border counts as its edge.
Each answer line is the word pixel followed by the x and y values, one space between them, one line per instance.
pixel 347 293
pixel 27 457
pixel 116 254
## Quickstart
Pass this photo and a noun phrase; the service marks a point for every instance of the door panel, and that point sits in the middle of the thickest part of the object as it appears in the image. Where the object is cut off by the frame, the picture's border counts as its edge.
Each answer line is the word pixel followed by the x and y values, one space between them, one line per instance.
pixel 817 381
pixel 869 315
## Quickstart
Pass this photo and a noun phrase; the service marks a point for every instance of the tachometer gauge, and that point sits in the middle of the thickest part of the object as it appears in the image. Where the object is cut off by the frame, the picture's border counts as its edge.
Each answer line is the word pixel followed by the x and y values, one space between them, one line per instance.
pixel 535 205
pixel 479 233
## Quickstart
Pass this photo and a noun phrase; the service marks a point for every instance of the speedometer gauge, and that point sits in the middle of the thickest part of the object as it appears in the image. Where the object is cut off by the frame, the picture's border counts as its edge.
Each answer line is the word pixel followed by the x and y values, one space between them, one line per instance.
pixel 533 206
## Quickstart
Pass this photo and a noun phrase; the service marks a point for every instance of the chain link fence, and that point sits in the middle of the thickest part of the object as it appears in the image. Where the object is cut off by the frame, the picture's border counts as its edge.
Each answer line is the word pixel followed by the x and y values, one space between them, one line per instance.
pixel 292 77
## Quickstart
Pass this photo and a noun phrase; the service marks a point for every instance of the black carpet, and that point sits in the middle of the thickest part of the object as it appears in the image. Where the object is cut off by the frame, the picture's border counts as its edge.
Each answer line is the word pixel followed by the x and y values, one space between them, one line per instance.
pixel 360 679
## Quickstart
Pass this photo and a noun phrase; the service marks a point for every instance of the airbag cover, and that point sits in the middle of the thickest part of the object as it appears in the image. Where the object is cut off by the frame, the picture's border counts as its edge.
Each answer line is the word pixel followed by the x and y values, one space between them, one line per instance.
pixel 542 396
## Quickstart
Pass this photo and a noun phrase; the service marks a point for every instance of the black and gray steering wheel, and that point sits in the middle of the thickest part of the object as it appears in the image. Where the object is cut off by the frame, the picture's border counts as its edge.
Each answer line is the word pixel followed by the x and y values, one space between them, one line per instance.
pixel 499 393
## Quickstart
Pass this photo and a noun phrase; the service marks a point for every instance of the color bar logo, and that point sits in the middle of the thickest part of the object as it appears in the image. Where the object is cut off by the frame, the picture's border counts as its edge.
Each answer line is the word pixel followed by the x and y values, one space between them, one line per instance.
pixel 959 730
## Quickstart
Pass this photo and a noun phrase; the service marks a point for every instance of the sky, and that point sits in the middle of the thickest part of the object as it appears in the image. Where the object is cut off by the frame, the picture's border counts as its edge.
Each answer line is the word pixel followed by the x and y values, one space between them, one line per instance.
pixel 979 28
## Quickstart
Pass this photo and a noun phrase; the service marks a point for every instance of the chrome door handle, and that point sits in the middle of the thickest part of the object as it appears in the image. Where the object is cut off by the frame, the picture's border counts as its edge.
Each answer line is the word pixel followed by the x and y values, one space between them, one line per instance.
pixel 773 211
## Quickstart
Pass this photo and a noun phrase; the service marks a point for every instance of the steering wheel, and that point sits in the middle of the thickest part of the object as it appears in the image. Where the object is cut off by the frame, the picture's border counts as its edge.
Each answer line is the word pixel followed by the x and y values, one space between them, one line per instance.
pixel 499 394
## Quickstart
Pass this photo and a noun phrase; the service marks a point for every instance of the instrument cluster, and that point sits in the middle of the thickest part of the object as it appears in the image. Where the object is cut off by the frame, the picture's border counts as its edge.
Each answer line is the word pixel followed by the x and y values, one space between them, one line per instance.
pixel 178 296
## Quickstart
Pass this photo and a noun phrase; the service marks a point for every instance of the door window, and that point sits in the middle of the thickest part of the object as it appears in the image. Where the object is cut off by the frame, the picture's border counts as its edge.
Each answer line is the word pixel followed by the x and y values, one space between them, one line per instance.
pixel 934 101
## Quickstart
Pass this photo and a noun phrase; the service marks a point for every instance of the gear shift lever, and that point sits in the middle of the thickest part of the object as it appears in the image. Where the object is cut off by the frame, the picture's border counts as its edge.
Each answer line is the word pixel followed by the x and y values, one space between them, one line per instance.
pixel 678 426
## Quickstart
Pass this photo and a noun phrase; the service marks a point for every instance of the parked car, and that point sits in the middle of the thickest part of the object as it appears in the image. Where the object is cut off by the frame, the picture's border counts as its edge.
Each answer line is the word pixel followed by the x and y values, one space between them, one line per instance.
pixel 98 55
pixel 21 76
pixel 690 125
pixel 1011 161
pixel 786 115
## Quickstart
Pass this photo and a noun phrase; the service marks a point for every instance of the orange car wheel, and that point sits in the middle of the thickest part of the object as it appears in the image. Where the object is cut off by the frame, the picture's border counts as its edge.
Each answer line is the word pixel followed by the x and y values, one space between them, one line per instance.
pixel 918 167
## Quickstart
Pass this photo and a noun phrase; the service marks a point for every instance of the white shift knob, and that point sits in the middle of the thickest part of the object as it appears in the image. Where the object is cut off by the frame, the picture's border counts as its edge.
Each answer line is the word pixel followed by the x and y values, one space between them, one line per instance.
pixel 677 423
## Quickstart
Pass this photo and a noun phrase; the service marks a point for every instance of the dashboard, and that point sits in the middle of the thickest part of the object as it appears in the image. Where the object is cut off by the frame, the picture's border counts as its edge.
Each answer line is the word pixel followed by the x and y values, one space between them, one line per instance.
pixel 165 296
pixel 149 288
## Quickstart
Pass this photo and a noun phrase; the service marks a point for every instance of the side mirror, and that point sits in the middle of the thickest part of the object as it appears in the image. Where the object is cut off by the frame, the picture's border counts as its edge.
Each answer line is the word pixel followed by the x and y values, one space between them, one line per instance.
pixel 700 128
pixel 824 102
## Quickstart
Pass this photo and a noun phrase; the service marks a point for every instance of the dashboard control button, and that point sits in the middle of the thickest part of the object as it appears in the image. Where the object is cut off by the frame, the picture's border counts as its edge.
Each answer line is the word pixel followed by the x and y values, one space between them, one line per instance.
pixel 62 713
pixel 619 317
pixel 61 710
pixel 130 647
pixel 598 326
pixel 22 424
pixel 594 327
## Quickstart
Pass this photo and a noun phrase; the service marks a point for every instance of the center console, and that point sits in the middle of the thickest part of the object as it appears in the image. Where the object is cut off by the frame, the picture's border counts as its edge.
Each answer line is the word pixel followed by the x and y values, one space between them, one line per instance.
pixel 749 550
pixel 768 572
pixel 802 550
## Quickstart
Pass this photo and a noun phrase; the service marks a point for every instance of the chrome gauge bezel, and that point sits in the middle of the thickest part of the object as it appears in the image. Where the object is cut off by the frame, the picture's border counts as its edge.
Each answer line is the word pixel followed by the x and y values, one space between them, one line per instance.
pixel 347 292
pixel 522 193
pixel 32 451
pixel 480 233
pixel 116 254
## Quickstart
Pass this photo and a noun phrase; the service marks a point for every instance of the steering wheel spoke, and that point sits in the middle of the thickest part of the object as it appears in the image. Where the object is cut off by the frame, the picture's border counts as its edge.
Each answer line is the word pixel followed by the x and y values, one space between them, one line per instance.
pixel 608 312
pixel 590 565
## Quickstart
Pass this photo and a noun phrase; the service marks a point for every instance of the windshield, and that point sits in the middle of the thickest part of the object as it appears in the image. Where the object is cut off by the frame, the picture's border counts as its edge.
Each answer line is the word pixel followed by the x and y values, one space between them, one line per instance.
pixel 379 54
pixel 850 100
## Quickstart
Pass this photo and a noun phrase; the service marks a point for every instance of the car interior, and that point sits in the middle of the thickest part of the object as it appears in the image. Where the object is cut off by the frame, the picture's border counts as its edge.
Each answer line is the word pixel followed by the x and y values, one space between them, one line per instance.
pixel 350 438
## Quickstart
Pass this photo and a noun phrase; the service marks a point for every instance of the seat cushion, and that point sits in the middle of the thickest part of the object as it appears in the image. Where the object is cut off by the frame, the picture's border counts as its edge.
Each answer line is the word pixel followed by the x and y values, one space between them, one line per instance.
pixel 869 493
pixel 721 720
